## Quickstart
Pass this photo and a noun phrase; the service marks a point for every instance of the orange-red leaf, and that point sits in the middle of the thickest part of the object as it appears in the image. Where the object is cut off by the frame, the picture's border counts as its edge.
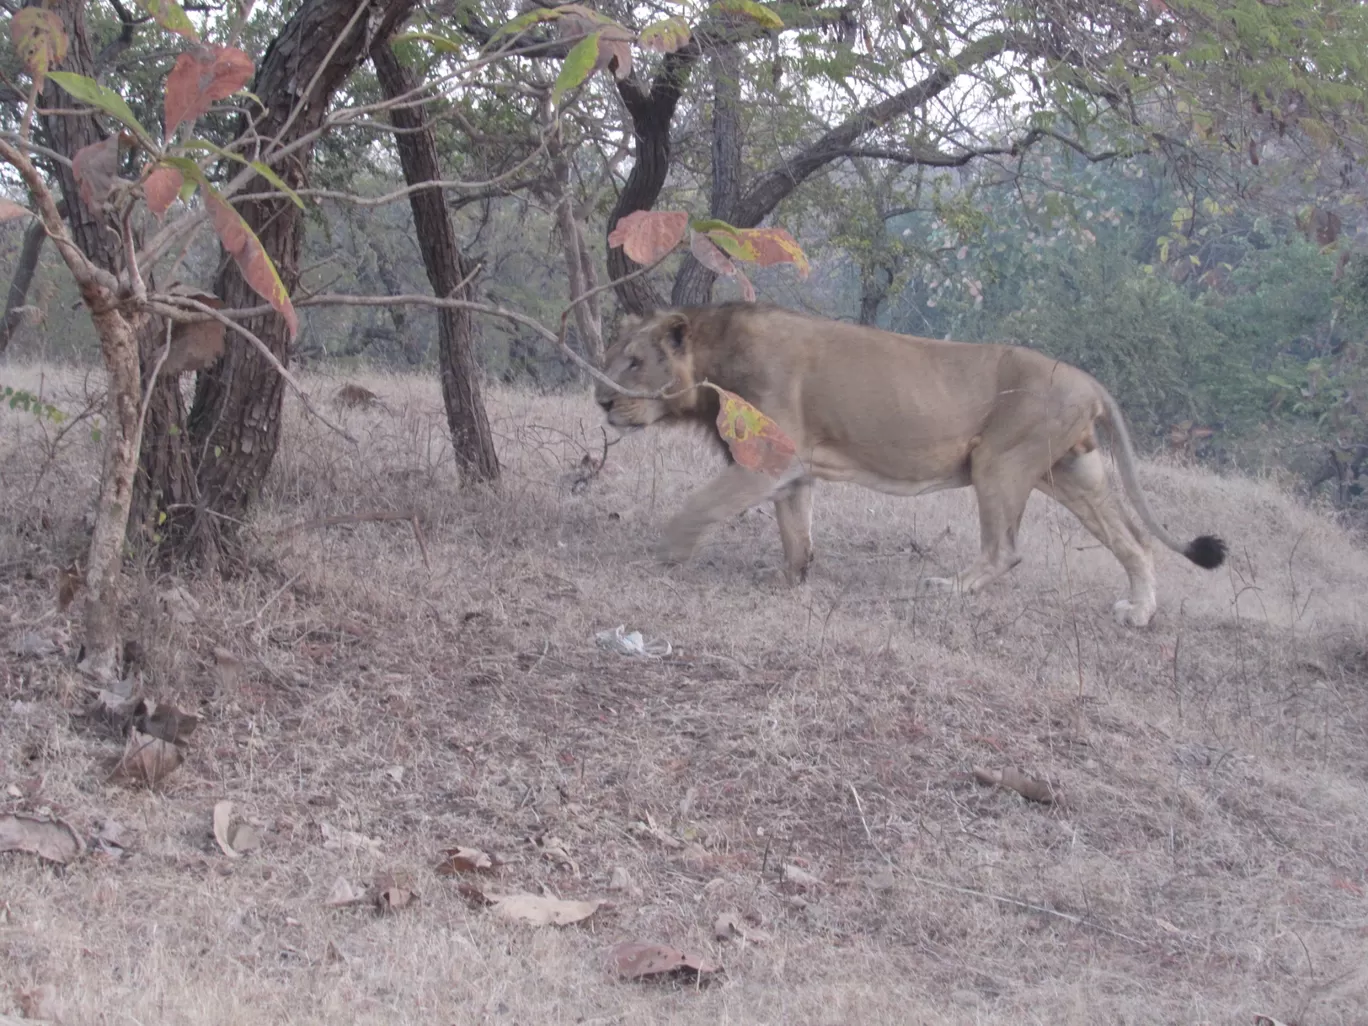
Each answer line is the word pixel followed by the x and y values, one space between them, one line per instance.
pixel 96 168
pixel 161 188
pixel 39 39
pixel 776 246
pixel 202 75
pixel 647 235
pixel 256 267
pixel 756 442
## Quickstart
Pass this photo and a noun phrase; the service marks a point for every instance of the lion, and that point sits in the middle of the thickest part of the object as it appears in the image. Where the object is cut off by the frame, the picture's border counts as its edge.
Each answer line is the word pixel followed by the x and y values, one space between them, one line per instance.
pixel 895 413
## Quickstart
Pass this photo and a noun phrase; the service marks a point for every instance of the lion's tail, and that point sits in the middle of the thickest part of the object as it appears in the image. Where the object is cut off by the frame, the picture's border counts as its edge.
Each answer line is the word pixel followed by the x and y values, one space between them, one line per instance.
pixel 1206 550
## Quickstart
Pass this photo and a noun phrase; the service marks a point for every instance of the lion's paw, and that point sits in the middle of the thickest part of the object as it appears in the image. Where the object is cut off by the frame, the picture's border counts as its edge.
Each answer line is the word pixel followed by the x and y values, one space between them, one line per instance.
pixel 936 585
pixel 1128 614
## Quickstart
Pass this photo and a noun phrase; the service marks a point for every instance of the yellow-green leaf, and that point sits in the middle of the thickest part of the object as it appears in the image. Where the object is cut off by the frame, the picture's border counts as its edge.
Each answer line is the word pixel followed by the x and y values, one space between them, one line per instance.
pixel 204 145
pixel 579 64
pixel 525 21
pixel 39 39
pixel 665 36
pixel 170 15
pixel 762 15
pixel 733 245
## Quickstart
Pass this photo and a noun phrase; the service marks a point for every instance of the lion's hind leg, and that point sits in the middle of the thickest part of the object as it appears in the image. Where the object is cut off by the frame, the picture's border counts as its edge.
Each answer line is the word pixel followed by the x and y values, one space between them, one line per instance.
pixel 1079 482
pixel 1002 484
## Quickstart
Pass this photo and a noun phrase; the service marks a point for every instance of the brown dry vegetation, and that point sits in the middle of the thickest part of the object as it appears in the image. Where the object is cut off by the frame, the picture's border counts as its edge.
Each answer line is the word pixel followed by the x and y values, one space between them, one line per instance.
pixel 1208 860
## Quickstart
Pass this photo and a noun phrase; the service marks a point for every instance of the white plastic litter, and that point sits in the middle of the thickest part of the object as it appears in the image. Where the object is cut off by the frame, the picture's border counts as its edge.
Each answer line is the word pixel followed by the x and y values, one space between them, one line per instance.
pixel 631 643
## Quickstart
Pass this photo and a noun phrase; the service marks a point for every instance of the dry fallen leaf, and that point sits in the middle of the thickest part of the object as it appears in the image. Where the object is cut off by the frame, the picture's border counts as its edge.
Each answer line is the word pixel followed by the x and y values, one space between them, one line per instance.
pixel 146 759
pixel 112 839
pixel 236 839
pixel 1015 780
pixel 343 894
pixel 464 860
pixel 553 848
pixel 163 720
pixel 392 892
pixel 530 908
pixel 730 924
pixel 634 960
pixel 50 839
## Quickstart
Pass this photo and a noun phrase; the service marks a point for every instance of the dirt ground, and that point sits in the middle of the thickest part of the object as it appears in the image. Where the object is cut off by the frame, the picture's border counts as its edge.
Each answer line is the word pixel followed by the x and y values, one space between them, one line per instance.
pixel 802 759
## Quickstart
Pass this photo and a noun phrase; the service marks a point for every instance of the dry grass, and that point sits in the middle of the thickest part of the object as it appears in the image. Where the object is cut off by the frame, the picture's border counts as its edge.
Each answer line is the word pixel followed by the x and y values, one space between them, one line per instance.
pixel 1209 861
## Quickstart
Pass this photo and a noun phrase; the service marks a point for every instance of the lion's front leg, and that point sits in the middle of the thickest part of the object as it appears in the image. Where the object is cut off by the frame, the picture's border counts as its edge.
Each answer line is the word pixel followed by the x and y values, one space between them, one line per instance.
pixel 733 491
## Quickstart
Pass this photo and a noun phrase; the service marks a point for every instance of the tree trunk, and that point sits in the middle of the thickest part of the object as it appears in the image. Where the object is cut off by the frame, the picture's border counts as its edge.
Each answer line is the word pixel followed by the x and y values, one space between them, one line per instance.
pixel 577 264
pixel 20 282
pixel 651 114
pixel 874 285
pixel 694 284
pixel 235 420
pixel 447 270
pixel 104 564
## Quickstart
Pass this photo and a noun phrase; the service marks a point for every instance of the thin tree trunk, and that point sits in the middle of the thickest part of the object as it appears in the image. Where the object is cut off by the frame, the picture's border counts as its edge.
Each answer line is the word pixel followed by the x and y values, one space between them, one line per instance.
pixel 104 563
pixel 577 265
pixel 20 282
pixel 235 420
pixel 448 272
pixel 694 284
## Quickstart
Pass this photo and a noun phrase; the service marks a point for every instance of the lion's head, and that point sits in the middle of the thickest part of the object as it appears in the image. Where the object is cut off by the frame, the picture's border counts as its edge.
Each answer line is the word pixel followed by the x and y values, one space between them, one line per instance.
pixel 651 354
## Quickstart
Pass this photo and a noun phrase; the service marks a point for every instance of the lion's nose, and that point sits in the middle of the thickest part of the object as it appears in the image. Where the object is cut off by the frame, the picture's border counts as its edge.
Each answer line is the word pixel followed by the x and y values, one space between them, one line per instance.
pixel 606 402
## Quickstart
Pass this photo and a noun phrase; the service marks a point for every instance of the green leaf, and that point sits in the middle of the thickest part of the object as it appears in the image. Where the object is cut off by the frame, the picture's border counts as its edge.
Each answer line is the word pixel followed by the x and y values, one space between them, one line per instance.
pixel 579 65
pixel 762 15
pixel 96 435
pixel 525 21
pixel 170 15
pixel 205 146
pixel 711 224
pixel 87 90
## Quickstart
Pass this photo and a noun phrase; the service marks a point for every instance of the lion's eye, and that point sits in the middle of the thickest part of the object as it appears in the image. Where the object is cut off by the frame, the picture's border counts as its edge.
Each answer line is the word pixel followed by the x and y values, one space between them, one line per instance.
pixel 634 363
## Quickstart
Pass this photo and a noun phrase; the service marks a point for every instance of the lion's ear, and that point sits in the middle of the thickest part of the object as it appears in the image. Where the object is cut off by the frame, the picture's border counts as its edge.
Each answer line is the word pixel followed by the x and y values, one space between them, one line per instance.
pixel 629 323
pixel 676 331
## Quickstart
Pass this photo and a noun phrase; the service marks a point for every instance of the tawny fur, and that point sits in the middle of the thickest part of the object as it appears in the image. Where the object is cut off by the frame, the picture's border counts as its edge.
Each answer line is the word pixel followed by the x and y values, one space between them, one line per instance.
pixel 895 413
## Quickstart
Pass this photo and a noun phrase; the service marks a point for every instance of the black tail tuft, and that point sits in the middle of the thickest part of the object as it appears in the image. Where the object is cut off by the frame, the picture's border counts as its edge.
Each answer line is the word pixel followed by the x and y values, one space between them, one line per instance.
pixel 1208 551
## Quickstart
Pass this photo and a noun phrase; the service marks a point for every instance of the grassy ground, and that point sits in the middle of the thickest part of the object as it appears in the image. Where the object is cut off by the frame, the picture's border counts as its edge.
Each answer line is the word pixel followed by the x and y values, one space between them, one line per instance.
pixel 402 692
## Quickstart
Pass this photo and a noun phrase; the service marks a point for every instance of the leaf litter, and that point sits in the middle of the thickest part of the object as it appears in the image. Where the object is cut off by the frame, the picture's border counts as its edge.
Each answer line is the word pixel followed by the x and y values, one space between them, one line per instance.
pixel 636 960
pixel 51 839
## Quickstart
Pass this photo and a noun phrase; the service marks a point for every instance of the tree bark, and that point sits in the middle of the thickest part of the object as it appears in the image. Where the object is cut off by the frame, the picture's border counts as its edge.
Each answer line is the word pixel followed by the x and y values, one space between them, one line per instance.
pixel 20 281
pixel 694 283
pixel 651 112
pixel 578 266
pixel 447 270
pixel 235 420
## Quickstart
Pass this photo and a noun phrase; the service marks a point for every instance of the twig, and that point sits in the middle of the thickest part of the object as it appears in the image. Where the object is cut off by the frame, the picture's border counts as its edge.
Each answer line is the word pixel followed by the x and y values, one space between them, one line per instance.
pixel 1018 903
pixel 267 604
pixel 152 381
pixel 379 516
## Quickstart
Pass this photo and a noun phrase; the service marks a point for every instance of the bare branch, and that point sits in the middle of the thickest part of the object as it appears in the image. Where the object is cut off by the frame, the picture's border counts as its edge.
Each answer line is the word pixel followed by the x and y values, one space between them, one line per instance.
pixel 173 307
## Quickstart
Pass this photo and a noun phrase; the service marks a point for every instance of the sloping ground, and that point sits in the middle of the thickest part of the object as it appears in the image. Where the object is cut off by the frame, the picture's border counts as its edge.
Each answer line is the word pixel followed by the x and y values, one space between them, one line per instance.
pixel 1207 862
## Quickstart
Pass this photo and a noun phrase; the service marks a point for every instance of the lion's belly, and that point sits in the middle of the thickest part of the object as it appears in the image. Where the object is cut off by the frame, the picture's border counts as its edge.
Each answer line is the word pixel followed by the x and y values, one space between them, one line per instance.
pixel 827 464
